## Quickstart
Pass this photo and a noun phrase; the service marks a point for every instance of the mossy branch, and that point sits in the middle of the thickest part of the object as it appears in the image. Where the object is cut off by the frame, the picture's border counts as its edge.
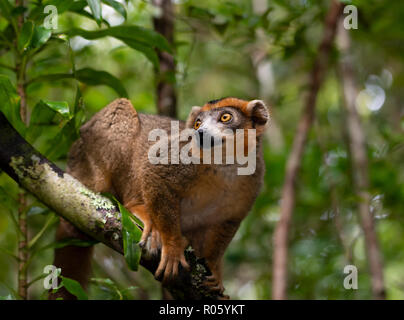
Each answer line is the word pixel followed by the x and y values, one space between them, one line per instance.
pixel 90 212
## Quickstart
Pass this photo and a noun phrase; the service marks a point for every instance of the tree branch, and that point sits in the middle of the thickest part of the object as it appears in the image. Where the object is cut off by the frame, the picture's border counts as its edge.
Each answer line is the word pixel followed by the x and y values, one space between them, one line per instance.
pixel 357 146
pixel 90 212
pixel 279 274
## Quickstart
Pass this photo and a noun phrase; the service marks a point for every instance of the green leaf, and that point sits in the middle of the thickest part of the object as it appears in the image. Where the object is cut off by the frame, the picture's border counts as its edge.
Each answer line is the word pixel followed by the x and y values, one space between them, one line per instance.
pixel 117 6
pixel 52 77
pixel 25 36
pixel 37 13
pixel 8 37
pixel 110 285
pixel 61 107
pixel 45 110
pixel 44 114
pixel 74 288
pixel 64 5
pixel 131 235
pixel 69 133
pixel 95 7
pixel 41 36
pixel 86 14
pixel 10 104
pixel 135 33
pixel 63 140
pixel 149 52
pixel 138 38
pixel 95 77
pixel 5 9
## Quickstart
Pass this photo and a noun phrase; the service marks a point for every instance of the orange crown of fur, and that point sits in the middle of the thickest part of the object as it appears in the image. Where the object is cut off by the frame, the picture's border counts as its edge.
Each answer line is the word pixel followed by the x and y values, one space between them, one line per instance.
pixel 226 102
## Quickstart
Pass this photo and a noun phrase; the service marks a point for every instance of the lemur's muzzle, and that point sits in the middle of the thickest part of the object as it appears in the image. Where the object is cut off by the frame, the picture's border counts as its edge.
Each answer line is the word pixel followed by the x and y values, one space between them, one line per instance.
pixel 210 141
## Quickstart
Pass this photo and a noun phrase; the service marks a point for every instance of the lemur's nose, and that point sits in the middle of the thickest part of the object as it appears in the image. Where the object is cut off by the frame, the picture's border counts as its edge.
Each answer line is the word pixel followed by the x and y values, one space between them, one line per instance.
pixel 200 136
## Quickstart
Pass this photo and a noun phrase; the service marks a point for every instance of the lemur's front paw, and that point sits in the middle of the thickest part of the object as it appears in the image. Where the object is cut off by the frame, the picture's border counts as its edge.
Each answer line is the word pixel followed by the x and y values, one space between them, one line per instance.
pixel 155 242
pixel 171 256
pixel 151 243
pixel 150 240
pixel 214 285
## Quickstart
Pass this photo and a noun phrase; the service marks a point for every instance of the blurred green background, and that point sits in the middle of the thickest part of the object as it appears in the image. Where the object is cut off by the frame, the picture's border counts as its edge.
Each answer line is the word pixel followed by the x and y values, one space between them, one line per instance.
pixel 248 49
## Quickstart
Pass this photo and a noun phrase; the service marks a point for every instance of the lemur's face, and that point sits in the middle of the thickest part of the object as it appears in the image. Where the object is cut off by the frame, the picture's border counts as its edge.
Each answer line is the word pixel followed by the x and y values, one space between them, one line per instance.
pixel 220 120
pixel 217 124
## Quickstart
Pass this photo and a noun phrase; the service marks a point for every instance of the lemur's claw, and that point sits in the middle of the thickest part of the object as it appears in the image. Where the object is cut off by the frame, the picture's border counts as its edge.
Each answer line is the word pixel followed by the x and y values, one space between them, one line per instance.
pixel 214 285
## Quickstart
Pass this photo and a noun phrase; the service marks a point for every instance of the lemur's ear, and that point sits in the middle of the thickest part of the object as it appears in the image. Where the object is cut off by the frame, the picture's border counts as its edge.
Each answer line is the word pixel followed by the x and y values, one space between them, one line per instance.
pixel 259 114
pixel 192 116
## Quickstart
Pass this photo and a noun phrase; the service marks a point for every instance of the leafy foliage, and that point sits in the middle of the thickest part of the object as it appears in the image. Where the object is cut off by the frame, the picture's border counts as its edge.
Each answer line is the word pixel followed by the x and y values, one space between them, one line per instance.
pixel 74 288
pixel 131 234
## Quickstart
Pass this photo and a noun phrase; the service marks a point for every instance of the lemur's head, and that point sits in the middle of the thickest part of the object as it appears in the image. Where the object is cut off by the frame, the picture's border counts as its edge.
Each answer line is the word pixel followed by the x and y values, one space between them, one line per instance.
pixel 219 120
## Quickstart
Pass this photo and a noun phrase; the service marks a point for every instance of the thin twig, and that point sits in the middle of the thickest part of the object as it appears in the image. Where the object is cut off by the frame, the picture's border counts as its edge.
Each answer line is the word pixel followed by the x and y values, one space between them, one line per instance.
pixel 20 70
pixel 293 165
pixel 22 247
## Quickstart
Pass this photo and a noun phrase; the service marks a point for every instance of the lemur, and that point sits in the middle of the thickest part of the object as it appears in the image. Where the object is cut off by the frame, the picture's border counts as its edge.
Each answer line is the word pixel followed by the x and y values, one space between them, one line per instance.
pixel 201 205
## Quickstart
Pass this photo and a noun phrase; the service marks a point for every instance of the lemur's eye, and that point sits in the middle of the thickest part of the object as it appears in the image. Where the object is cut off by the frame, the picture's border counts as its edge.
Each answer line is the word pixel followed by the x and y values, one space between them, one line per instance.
pixel 225 117
pixel 197 124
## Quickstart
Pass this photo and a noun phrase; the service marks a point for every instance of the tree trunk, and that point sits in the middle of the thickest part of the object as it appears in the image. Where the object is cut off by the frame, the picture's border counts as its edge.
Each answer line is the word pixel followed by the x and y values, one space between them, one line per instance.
pixel 165 90
pixel 357 146
pixel 279 274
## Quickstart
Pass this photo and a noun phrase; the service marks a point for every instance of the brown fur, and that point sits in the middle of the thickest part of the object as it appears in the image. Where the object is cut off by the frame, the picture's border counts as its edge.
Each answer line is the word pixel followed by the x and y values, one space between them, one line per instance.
pixel 201 205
